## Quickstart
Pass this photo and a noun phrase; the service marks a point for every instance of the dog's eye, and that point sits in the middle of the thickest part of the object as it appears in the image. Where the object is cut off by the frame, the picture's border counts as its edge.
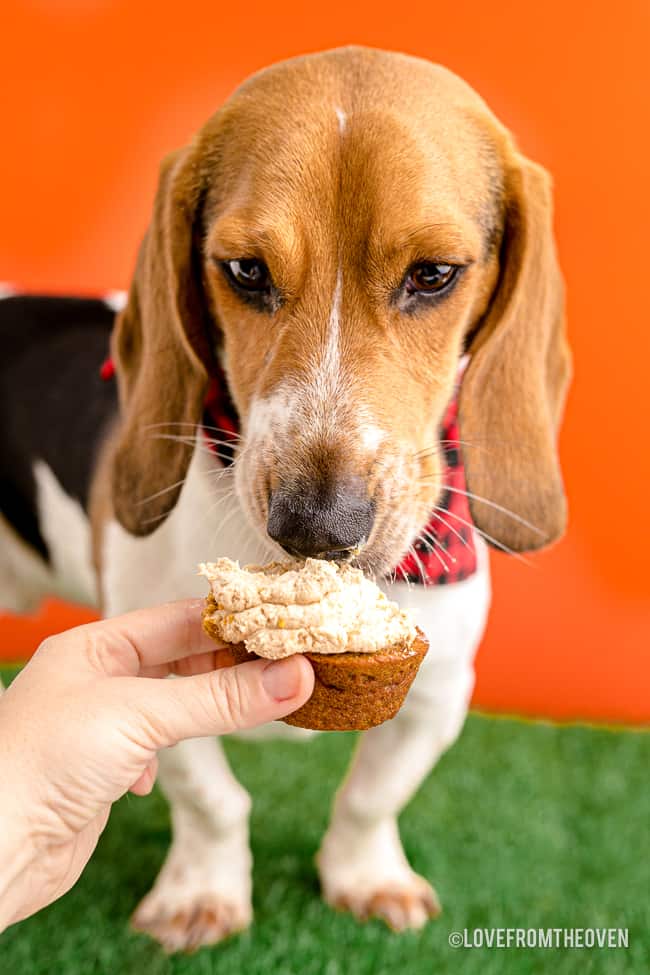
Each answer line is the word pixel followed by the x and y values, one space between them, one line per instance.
pixel 428 278
pixel 249 274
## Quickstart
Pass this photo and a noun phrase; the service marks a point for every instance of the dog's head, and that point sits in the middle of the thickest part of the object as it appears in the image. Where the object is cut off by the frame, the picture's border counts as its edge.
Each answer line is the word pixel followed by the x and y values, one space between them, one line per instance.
pixel 340 234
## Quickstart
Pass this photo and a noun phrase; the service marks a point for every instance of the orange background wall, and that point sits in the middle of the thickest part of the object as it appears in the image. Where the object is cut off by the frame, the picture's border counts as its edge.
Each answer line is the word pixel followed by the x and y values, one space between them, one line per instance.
pixel 95 92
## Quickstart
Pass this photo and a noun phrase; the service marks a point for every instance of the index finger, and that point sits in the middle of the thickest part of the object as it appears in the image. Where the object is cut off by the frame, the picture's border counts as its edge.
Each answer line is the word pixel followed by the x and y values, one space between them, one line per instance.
pixel 149 638
pixel 201 663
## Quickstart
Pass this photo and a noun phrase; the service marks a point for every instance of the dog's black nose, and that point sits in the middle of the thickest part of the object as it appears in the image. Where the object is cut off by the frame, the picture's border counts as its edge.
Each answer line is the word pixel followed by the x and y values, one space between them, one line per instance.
pixel 314 522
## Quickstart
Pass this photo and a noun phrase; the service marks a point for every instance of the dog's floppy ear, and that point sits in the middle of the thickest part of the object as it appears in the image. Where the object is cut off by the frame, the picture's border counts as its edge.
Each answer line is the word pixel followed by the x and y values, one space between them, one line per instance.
pixel 159 347
pixel 513 391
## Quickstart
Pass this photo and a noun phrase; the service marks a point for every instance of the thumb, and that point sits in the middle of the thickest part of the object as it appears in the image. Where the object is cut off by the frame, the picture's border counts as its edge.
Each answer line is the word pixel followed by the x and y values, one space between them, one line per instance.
pixel 221 701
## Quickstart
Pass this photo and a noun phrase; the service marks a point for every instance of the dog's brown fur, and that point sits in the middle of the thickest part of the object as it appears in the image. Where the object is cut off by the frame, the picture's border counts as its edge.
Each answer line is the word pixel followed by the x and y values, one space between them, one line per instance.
pixel 422 171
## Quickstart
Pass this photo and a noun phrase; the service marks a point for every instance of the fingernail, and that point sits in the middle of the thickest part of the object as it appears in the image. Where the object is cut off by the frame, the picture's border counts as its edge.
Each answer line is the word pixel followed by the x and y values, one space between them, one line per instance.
pixel 281 679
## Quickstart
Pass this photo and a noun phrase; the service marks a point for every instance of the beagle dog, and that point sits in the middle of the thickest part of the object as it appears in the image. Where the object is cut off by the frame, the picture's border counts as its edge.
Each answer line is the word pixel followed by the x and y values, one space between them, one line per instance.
pixel 337 239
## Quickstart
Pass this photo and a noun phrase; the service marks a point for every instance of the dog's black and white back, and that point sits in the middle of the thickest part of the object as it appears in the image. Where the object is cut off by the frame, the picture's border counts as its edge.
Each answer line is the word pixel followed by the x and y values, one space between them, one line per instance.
pixel 55 410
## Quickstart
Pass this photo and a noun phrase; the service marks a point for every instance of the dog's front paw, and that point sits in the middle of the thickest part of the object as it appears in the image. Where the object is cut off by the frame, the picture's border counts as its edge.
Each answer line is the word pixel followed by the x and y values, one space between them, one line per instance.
pixel 363 870
pixel 406 905
pixel 187 921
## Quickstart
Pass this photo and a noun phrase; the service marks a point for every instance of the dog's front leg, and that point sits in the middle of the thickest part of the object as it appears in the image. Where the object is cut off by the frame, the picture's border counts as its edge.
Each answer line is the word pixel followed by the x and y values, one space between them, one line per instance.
pixel 203 891
pixel 361 862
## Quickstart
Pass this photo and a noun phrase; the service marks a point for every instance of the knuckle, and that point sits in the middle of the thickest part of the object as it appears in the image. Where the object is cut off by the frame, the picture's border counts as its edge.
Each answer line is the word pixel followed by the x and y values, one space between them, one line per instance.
pixel 139 726
pixel 228 697
pixel 192 629
pixel 152 732
pixel 96 650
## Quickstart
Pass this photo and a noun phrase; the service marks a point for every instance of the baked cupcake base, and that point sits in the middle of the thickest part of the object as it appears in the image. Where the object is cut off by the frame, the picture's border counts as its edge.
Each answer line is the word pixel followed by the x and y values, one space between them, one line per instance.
pixel 352 691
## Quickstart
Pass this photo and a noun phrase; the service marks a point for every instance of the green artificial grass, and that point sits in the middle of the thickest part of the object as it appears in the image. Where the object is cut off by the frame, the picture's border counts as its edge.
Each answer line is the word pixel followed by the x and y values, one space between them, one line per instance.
pixel 521 825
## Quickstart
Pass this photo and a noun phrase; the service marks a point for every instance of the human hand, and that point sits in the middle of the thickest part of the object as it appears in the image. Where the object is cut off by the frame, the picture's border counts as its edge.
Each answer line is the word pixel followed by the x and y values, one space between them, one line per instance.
pixel 82 723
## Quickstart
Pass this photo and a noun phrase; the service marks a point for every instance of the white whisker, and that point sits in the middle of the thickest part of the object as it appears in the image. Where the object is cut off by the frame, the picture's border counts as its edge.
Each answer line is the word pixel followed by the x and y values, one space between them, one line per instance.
pixel 451 528
pixel 437 554
pixel 159 494
pixel 202 443
pixel 195 426
pixel 497 507
pixel 435 448
pixel 155 518
pixel 483 534
pixel 418 562
pixel 426 535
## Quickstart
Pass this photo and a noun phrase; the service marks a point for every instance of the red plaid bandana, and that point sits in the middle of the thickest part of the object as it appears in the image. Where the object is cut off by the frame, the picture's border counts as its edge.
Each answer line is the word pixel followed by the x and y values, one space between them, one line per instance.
pixel 445 550
pixel 443 553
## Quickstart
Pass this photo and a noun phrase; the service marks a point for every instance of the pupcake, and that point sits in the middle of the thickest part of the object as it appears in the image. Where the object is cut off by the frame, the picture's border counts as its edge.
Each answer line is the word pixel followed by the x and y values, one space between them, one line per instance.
pixel 365 650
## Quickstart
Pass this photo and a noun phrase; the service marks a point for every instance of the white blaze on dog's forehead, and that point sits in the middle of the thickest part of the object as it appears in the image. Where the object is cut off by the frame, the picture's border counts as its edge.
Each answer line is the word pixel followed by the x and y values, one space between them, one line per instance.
pixel 327 372
pixel 342 118
pixel 116 300
pixel 319 402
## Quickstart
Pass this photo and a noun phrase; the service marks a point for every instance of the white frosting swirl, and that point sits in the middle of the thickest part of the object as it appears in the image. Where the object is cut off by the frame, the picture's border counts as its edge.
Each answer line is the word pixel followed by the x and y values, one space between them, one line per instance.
pixel 298 607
